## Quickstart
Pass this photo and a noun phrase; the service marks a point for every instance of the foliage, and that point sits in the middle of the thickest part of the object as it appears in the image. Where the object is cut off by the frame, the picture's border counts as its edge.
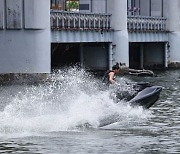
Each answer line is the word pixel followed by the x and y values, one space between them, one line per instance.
pixel 72 5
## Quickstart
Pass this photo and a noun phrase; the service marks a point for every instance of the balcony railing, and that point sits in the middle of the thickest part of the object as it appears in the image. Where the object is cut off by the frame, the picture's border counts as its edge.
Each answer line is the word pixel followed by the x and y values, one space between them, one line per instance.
pixel 143 23
pixel 63 20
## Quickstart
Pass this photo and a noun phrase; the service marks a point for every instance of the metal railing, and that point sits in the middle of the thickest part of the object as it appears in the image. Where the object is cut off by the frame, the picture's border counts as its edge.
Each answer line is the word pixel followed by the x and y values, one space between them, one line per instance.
pixel 146 23
pixel 63 20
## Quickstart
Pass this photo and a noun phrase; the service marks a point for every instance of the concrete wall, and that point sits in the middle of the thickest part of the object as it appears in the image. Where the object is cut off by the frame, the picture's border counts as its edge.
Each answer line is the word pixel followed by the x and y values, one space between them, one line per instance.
pixel 99 6
pixel 156 8
pixel 2 14
pixel 172 14
pixel 24 36
pixel 145 7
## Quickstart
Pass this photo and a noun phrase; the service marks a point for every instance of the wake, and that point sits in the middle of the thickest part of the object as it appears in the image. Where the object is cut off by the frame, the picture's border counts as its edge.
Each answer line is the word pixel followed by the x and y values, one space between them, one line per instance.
pixel 67 100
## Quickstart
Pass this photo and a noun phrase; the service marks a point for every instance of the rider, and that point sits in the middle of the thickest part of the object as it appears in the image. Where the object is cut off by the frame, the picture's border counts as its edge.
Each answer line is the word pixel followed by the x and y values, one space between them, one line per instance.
pixel 109 77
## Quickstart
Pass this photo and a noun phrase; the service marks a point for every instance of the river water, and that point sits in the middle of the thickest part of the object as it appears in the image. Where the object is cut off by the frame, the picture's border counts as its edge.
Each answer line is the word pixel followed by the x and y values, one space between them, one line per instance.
pixel 63 114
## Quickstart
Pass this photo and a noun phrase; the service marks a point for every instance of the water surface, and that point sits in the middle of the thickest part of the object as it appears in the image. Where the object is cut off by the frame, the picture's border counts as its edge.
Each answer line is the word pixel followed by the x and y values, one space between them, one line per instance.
pixel 63 114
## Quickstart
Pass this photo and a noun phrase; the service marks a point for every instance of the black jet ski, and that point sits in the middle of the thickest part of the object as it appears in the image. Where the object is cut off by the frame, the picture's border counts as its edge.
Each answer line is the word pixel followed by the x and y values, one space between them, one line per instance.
pixel 147 97
pixel 144 95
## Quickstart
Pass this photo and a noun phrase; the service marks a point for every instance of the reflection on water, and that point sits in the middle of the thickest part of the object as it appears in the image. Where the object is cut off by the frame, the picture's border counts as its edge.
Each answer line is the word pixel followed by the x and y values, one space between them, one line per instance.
pixel 63 114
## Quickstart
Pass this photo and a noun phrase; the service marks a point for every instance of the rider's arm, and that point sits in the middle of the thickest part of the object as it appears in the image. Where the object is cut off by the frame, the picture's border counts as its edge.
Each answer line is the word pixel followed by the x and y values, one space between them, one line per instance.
pixel 111 77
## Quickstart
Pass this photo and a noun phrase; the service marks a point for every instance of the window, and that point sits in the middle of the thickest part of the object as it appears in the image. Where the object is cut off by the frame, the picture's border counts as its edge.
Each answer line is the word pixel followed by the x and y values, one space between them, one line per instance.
pixel 145 7
pixel 56 4
pixel 84 6
pixel 67 5
pixel 133 7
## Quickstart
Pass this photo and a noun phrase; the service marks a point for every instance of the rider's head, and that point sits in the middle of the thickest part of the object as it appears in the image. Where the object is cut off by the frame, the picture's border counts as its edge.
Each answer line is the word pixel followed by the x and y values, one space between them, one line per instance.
pixel 116 68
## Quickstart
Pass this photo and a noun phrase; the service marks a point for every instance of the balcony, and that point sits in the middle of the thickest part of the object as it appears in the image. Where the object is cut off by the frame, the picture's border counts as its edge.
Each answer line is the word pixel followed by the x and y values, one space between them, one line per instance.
pixel 63 20
pixel 75 21
pixel 146 24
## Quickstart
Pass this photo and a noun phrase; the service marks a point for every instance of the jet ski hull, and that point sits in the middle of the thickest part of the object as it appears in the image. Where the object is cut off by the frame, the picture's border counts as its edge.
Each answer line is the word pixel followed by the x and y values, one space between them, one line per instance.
pixel 147 97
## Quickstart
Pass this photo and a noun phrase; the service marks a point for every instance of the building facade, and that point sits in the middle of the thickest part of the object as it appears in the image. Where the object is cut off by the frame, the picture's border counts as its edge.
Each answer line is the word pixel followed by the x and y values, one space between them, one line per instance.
pixel 134 32
pixel 94 34
pixel 24 36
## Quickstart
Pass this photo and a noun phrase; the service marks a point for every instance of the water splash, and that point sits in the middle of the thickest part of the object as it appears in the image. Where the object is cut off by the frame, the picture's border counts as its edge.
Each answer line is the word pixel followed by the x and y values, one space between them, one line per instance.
pixel 67 99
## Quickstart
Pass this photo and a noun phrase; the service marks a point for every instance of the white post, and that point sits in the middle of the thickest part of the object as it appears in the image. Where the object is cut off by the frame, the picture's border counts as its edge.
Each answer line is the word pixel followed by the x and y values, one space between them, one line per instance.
pixel 172 13
pixel 118 8
pixel 166 51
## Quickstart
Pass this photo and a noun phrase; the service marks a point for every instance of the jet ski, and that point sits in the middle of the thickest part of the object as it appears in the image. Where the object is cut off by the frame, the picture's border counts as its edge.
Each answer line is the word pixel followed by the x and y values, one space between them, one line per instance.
pixel 144 95
pixel 147 97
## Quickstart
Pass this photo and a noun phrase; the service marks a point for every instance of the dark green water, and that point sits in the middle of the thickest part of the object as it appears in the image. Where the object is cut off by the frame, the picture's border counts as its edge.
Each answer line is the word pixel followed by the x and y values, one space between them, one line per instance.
pixel 54 117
